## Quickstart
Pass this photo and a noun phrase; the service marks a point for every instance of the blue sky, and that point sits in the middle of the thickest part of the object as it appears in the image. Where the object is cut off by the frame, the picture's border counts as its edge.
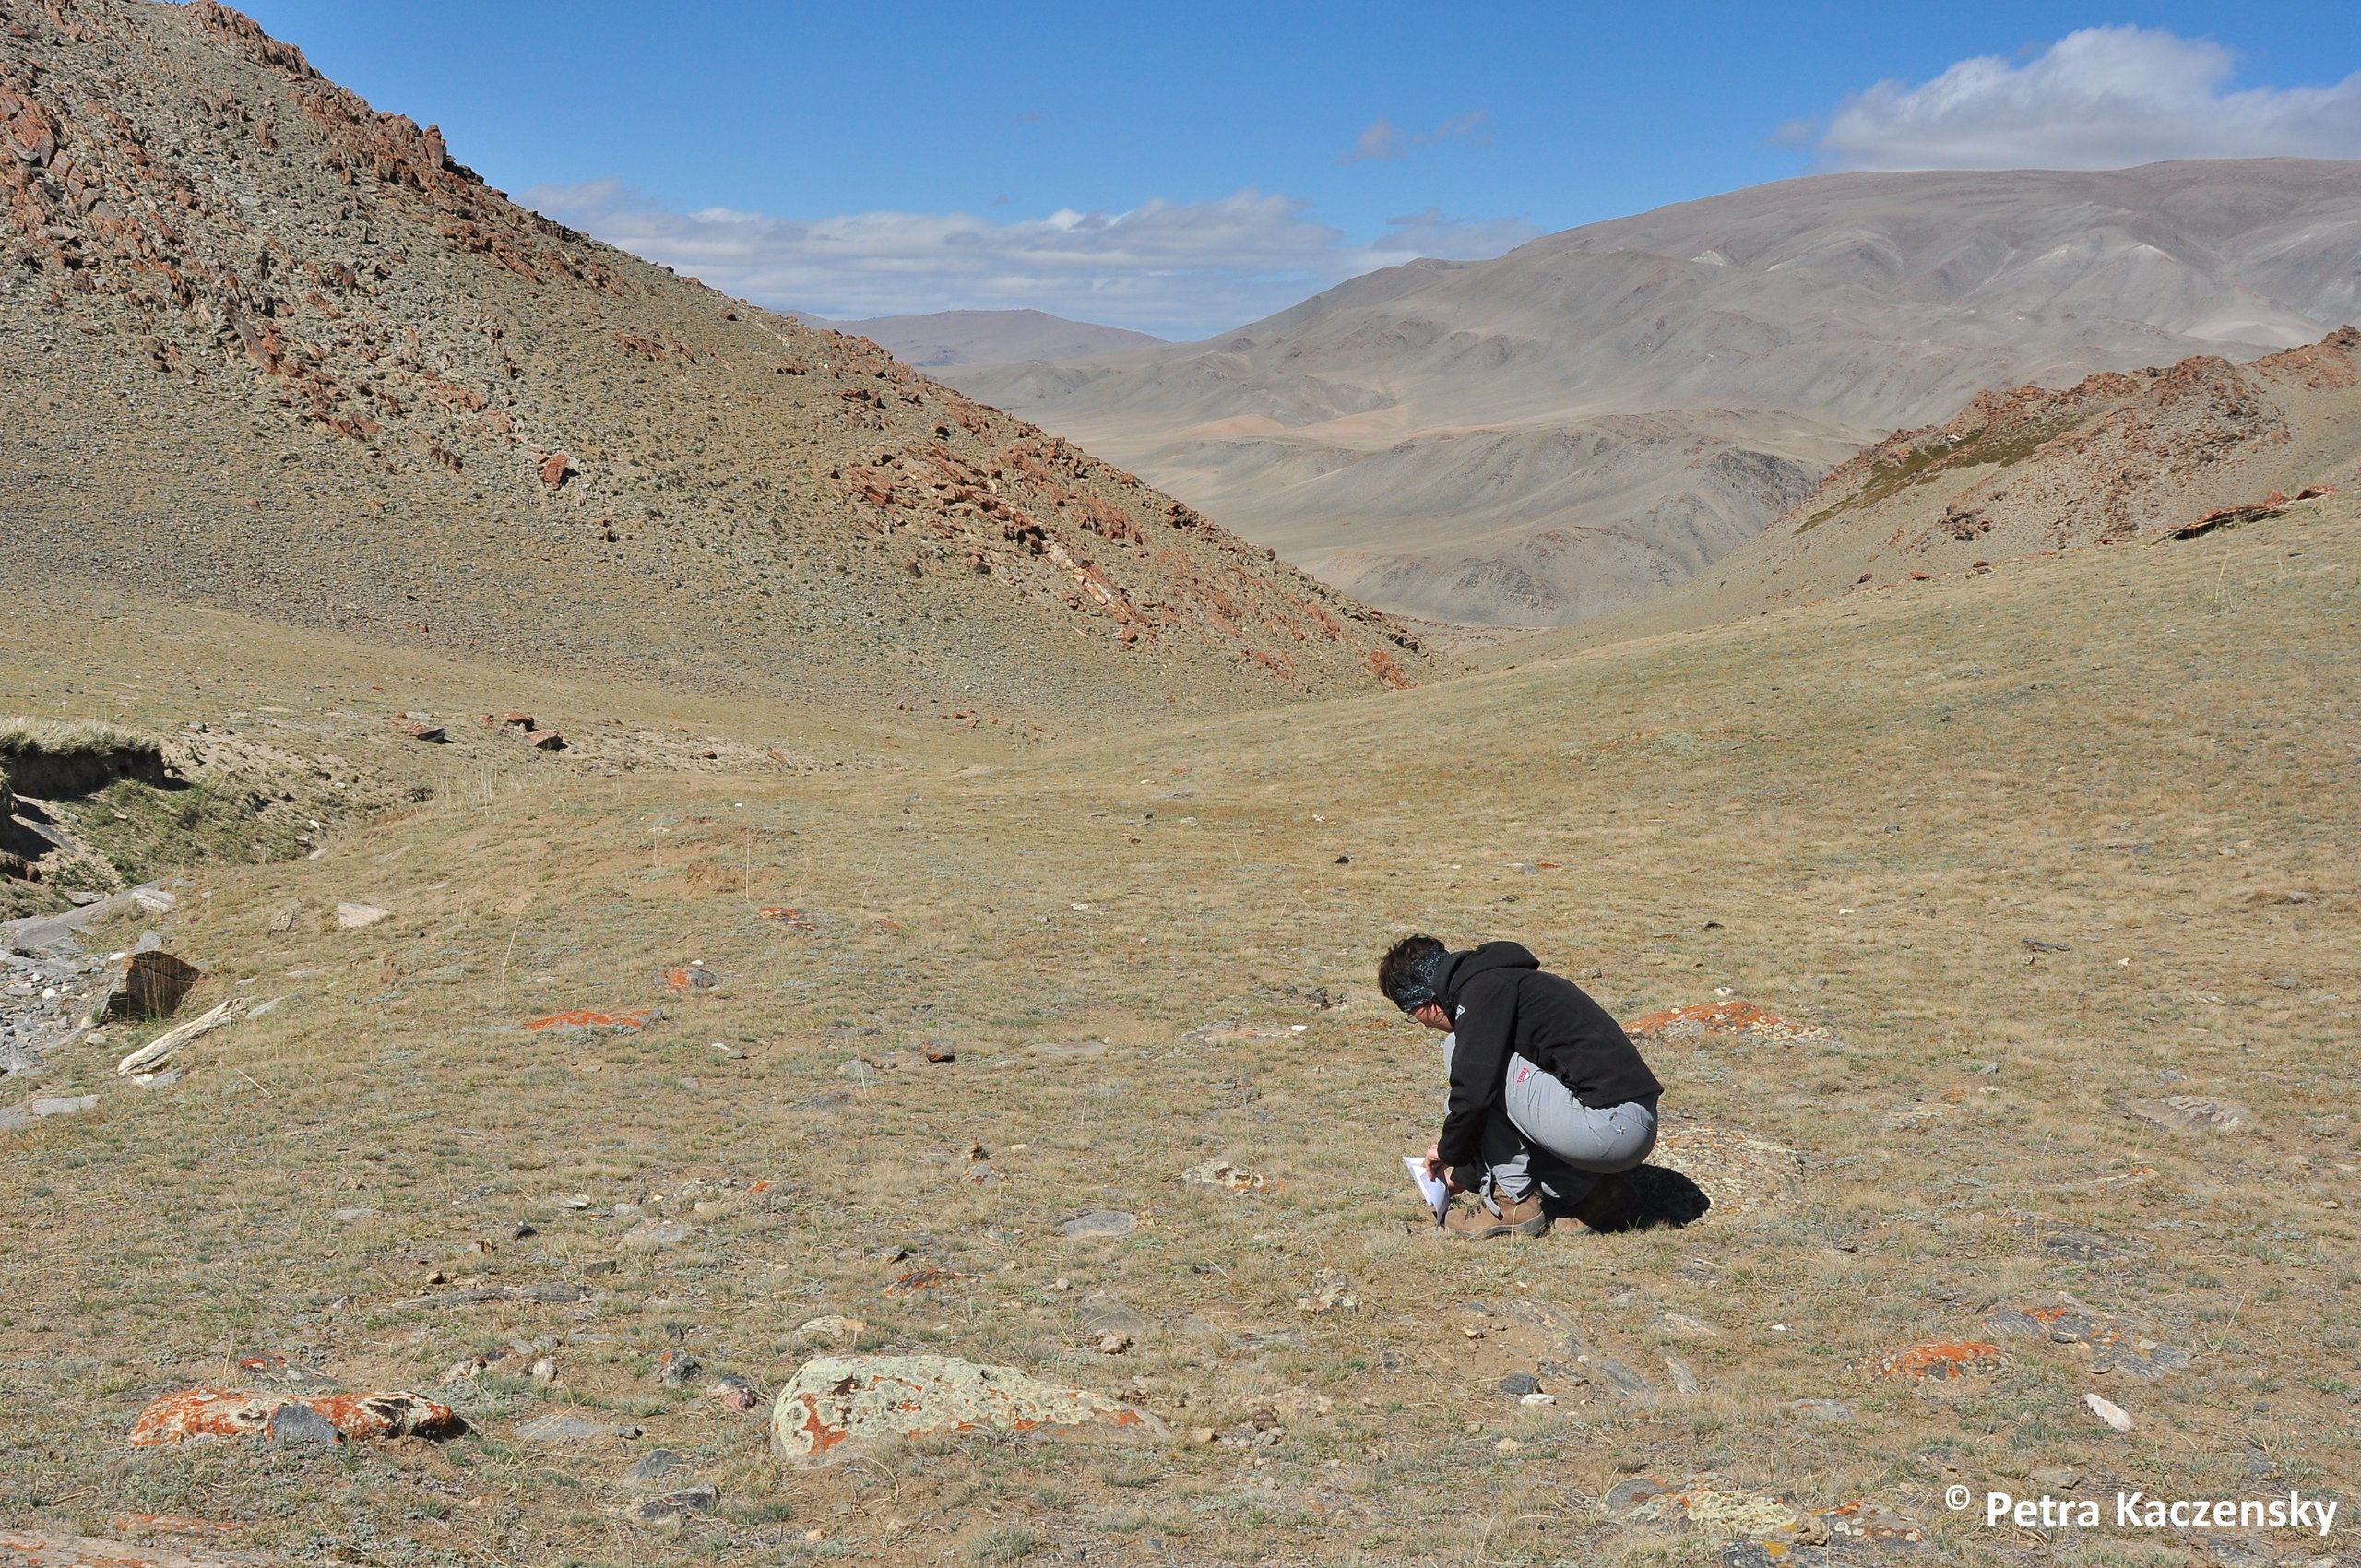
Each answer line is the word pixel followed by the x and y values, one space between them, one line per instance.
pixel 1182 169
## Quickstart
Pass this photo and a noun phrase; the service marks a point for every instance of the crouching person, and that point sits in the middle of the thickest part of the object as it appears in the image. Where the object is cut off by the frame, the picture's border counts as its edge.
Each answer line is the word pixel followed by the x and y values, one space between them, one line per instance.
pixel 1550 1101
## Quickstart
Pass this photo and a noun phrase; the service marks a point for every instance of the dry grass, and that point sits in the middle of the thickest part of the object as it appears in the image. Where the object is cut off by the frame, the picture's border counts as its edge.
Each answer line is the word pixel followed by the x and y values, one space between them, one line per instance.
pixel 1852 814
pixel 33 750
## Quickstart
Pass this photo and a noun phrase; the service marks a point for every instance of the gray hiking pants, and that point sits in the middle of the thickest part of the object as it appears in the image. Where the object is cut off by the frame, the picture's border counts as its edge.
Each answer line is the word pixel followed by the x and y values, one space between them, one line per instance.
pixel 1543 1136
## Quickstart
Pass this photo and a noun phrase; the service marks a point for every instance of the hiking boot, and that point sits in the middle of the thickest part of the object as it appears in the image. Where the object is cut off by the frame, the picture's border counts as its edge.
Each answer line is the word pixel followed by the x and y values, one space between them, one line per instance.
pixel 1474 1223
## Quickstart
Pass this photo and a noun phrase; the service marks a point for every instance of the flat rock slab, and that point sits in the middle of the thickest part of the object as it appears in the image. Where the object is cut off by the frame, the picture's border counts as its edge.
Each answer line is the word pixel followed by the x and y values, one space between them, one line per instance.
pixel 62 1105
pixel 652 1468
pixel 1697 1171
pixel 36 1549
pixel 231 1412
pixel 2111 1345
pixel 573 1429
pixel 1106 1223
pixel 2192 1113
pixel 702 1498
pixel 587 1021
pixel 839 1399
pixel 1756 1529
pixel 651 1235
pixel 359 916
pixel 1948 1366
pixel 2078 1244
pixel 1231 1033
pixel 1221 1175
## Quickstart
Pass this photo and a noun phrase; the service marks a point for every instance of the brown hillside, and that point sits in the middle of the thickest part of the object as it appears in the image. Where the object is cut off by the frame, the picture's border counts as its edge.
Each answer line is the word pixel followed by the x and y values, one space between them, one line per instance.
pixel 276 352
pixel 2033 471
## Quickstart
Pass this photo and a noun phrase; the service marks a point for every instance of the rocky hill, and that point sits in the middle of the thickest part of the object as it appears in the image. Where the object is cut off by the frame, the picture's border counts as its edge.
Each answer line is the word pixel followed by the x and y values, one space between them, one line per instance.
pixel 271 350
pixel 2120 455
pixel 988 336
pixel 1602 413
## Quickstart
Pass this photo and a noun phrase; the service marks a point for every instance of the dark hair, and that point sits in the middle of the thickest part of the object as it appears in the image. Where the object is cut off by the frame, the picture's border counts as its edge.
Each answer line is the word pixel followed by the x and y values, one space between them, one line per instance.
pixel 1410 971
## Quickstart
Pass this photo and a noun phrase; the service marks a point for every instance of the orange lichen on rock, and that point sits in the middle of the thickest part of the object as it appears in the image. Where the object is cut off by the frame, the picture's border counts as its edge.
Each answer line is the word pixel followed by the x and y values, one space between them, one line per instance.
pixel 1946 1363
pixel 921 1280
pixel 584 1018
pixel 231 1412
pixel 1723 1017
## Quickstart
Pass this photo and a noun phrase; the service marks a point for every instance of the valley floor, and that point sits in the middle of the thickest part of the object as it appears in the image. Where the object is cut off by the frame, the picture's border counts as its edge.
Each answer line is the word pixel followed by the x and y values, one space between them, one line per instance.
pixel 2034 863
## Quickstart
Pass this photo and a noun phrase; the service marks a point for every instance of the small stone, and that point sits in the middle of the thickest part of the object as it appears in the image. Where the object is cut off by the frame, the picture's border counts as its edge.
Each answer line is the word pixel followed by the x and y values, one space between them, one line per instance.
pixel 2058 1478
pixel 1331 1293
pixel 1099 1223
pixel 832 1326
pixel 599 1268
pixel 1538 1398
pixel 1204 1435
pixel 1682 1378
pixel 2107 1410
pixel 1830 1410
pixel 675 1368
pixel 62 1105
pixel 1229 1178
pixel 1626 1383
pixel 702 1498
pixel 738 1393
pixel 1516 1385
pixel 301 1423
pixel 649 1235
pixel 1507 1445
pixel 359 916
pixel 1114 1344
pixel 653 1465
pixel 543 1369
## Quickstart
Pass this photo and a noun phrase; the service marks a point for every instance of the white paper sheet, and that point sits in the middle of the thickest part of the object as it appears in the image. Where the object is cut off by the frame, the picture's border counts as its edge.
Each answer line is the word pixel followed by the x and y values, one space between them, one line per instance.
pixel 1438 1196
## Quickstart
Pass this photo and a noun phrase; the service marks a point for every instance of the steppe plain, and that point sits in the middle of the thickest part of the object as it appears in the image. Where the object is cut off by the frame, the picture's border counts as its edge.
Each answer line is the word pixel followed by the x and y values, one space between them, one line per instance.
pixel 1859 815
pixel 969 846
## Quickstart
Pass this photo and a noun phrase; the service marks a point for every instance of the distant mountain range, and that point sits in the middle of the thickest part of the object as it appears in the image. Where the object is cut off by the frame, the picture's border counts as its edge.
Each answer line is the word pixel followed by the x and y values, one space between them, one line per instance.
pixel 1601 413
pixel 988 337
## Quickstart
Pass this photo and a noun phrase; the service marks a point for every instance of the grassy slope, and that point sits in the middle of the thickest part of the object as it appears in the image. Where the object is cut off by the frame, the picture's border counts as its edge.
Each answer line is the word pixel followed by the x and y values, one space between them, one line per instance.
pixel 1852 813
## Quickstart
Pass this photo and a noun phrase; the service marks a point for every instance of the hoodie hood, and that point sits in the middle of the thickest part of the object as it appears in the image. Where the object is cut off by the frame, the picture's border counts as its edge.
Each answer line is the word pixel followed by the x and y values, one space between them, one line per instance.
pixel 1461 967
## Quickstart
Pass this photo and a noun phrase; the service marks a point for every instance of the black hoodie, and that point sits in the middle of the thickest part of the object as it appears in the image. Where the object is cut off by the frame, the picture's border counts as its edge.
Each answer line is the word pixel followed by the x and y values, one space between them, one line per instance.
pixel 1510 1005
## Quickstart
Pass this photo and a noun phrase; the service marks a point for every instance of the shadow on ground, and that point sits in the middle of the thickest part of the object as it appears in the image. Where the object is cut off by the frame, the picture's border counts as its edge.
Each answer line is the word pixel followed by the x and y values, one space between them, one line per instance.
pixel 1655 1198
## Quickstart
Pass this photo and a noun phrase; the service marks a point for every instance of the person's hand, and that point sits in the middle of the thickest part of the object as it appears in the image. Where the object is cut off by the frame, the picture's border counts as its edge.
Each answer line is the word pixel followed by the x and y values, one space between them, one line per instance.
pixel 1433 1163
pixel 1450 1179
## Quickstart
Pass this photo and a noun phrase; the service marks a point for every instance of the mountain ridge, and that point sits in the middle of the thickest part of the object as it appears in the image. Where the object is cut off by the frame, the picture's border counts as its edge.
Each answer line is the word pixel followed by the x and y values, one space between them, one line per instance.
pixel 1786 325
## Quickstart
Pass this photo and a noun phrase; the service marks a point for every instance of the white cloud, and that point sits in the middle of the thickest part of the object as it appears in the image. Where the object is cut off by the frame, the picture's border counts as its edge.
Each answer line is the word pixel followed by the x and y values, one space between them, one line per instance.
pixel 1180 269
pixel 1379 142
pixel 2102 97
